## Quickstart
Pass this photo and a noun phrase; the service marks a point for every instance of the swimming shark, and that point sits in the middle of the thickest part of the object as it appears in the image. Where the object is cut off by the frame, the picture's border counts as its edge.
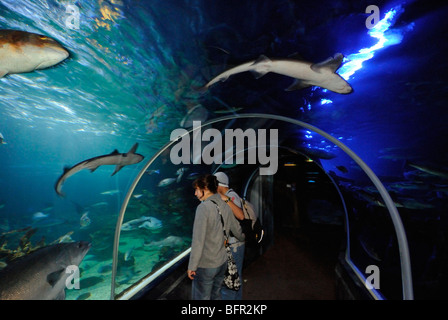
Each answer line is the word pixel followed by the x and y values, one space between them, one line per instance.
pixel 115 158
pixel 306 74
pixel 42 274
pixel 22 51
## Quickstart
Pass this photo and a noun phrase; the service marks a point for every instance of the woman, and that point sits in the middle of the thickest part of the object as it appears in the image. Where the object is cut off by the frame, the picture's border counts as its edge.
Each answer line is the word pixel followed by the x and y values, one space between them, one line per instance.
pixel 208 258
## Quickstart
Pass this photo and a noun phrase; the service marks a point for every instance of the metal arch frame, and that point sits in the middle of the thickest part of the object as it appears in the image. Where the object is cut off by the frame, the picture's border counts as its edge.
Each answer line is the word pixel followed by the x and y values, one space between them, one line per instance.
pixel 406 272
pixel 373 292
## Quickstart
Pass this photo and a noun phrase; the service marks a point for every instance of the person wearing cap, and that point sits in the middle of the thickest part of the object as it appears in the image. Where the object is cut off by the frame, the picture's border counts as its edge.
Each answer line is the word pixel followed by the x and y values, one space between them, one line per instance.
pixel 233 200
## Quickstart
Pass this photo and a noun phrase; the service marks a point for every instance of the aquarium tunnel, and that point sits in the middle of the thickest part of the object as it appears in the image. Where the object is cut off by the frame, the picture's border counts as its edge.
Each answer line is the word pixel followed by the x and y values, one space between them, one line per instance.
pixel 328 116
pixel 258 189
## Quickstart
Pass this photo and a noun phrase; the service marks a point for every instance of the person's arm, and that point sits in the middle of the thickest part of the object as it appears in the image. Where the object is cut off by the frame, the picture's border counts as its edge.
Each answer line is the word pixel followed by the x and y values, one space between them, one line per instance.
pixel 235 228
pixel 198 239
pixel 237 211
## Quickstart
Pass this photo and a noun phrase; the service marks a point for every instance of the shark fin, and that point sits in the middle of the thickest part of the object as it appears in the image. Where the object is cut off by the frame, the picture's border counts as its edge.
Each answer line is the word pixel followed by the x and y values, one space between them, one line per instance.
pixel 117 168
pixel 54 277
pixel 200 90
pixel 259 72
pixel 297 85
pixel 115 152
pixel 134 148
pixel 66 168
pixel 332 63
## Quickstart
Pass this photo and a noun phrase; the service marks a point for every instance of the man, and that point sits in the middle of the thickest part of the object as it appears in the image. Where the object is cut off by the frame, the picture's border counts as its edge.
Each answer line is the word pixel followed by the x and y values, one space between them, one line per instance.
pixel 237 246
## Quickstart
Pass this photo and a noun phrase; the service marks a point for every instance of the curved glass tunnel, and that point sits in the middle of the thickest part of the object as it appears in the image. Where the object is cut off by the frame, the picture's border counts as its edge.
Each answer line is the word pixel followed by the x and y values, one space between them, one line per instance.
pixel 131 77
pixel 158 211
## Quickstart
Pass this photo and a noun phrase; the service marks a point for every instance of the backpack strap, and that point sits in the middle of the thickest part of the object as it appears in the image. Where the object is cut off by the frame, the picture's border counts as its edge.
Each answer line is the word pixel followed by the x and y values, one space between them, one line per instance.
pixel 245 210
pixel 226 238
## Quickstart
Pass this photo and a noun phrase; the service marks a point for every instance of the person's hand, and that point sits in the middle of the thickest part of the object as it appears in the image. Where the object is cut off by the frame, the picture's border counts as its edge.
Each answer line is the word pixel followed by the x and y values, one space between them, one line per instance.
pixel 191 274
pixel 223 196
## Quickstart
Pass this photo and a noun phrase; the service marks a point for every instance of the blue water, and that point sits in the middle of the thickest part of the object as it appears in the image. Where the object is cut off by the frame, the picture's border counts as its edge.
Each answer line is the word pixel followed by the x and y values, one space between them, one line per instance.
pixel 129 79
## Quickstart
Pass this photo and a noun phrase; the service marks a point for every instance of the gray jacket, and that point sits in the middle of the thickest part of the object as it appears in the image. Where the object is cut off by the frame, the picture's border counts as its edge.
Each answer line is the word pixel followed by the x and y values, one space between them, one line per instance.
pixel 207 246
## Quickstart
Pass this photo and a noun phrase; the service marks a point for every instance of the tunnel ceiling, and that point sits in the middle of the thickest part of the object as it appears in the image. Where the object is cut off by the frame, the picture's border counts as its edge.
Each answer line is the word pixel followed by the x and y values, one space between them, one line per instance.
pixel 134 68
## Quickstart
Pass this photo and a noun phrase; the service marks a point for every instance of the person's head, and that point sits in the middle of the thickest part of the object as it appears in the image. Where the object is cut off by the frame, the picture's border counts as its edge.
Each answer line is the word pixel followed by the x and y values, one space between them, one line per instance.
pixel 223 180
pixel 205 186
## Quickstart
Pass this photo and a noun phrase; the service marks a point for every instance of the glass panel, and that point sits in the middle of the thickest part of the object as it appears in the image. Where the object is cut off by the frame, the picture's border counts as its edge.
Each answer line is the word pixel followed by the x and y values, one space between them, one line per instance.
pixel 158 220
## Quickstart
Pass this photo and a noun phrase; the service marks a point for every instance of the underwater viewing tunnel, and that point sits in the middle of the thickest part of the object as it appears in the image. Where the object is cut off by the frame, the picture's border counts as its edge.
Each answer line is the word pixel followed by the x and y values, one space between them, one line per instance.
pixel 299 201
pixel 329 117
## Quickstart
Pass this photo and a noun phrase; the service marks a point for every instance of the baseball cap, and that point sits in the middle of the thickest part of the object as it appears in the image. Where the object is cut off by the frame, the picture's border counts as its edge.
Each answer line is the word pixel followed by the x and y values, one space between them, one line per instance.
pixel 223 179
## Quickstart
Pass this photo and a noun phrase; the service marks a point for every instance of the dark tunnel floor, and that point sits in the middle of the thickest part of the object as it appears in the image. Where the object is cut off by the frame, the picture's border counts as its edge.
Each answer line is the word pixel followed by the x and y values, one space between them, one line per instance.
pixel 294 268
pixel 298 266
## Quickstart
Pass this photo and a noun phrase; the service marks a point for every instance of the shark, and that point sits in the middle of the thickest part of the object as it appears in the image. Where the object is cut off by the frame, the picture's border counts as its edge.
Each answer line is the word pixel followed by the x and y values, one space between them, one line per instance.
pixel 115 158
pixel 22 51
pixel 306 74
pixel 42 274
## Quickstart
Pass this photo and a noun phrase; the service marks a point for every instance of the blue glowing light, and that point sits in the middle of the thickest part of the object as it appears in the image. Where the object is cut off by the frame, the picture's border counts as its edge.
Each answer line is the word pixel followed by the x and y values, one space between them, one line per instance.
pixel 385 38
pixel 325 101
pixel 308 135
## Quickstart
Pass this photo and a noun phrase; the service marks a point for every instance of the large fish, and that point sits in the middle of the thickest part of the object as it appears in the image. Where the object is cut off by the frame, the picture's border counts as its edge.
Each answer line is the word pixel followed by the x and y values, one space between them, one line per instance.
pixel 115 158
pixel 42 275
pixel 306 74
pixel 170 241
pixel 150 223
pixel 2 139
pixel 22 51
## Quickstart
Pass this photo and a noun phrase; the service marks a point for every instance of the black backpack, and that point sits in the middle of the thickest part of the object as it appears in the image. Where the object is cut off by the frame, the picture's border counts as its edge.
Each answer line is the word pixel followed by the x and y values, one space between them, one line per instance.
pixel 251 226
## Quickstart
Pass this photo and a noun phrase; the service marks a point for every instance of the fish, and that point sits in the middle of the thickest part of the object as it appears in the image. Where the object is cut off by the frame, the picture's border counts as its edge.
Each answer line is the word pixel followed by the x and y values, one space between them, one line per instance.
pixel 22 51
pixel 150 172
pixel 48 222
pixel 115 158
pixel 90 281
pixel 128 254
pixel 151 224
pixel 105 268
pixel 437 172
pixel 40 215
pixel 166 182
pixel 180 172
pixel 170 241
pixel 41 275
pixel 306 74
pixel 85 221
pixel 66 238
pixel 342 169
pixel 110 192
pixel 84 296
pixel 99 204
pixel 134 224
pixel 2 139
